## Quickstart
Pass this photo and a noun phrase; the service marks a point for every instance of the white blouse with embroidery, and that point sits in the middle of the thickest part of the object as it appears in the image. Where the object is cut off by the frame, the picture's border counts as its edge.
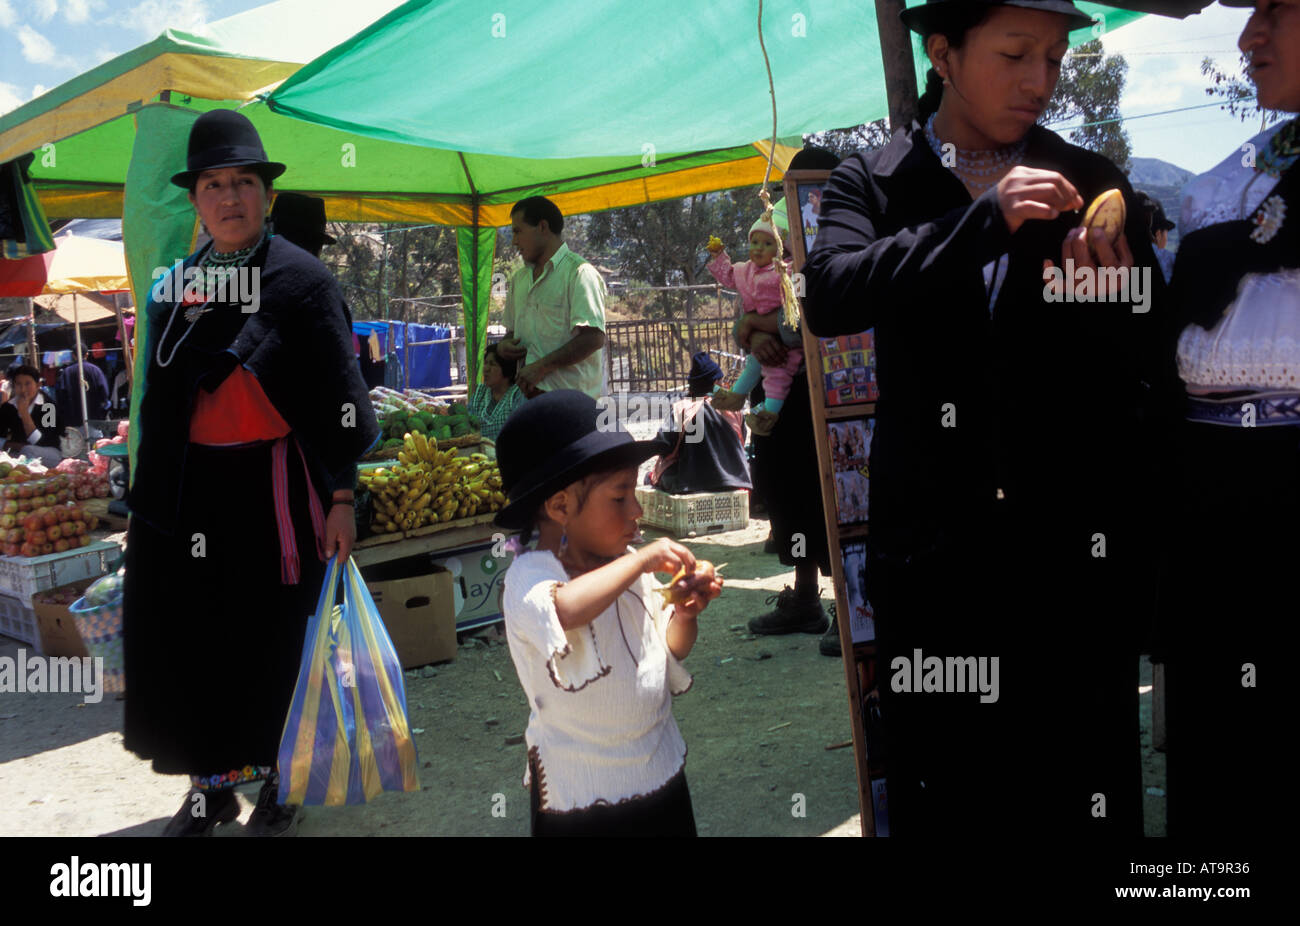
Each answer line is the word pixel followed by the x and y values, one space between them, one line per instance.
pixel 601 728
pixel 1256 344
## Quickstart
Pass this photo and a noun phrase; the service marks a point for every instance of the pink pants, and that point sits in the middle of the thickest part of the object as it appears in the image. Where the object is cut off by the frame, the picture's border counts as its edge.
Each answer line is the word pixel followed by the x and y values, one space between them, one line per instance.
pixel 777 380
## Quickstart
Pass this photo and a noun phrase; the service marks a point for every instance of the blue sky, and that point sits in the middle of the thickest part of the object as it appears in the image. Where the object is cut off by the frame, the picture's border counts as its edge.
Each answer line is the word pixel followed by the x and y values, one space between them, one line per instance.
pixel 46 42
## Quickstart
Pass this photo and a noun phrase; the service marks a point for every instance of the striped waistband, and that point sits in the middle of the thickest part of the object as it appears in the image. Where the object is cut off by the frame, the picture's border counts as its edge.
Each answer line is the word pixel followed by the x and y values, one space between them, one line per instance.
pixel 1261 410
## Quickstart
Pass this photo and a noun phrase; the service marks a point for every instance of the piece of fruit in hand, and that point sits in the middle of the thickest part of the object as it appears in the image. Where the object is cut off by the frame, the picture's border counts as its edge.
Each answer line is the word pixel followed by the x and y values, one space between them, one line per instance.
pixel 1108 213
pixel 680 587
pixel 714 245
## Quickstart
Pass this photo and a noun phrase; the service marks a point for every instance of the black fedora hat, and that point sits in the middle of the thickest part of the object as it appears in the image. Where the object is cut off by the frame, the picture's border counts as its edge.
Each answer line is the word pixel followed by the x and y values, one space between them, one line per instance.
pixel 552 441
pixel 225 138
pixel 931 15
pixel 301 219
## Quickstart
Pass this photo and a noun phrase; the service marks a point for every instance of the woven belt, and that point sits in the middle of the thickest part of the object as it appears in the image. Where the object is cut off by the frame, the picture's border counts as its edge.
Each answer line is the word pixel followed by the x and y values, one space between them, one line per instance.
pixel 1261 410
pixel 289 565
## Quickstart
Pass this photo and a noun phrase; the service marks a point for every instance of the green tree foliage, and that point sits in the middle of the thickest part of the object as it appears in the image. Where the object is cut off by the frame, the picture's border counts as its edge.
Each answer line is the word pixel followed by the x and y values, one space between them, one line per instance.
pixel 1236 92
pixel 662 244
pixel 1088 92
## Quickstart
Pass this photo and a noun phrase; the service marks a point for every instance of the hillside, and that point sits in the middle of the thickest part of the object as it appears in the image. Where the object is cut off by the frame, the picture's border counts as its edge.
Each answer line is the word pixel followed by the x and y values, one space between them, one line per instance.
pixel 1164 182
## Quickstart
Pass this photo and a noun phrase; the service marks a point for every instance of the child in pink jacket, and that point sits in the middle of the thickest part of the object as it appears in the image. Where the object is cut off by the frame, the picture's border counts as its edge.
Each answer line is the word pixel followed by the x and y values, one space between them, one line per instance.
pixel 759 284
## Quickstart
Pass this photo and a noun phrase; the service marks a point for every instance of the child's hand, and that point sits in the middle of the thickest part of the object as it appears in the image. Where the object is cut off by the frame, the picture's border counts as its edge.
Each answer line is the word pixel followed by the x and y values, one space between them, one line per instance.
pixel 715 245
pixel 666 556
pixel 700 589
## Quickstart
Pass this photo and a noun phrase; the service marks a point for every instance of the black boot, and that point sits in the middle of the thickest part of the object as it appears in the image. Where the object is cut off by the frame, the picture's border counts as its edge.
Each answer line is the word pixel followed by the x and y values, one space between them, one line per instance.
pixel 219 807
pixel 793 614
pixel 268 817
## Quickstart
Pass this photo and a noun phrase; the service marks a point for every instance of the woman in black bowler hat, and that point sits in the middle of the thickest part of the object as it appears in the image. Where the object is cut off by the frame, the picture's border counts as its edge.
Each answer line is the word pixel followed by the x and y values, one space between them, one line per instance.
pixel 1008 466
pixel 252 419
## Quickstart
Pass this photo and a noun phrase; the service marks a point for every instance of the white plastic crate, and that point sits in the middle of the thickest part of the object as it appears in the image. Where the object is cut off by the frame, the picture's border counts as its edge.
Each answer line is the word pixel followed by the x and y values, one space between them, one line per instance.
pixel 24 576
pixel 18 620
pixel 698 513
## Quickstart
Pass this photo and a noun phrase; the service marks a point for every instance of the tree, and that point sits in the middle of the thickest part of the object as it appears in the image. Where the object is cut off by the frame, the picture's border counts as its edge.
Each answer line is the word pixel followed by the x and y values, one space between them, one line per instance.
pixel 1089 89
pixel 846 141
pixel 1237 92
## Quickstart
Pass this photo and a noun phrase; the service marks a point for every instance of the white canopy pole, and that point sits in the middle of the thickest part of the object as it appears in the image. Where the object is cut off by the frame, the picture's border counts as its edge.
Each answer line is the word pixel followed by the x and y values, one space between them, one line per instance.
pixel 81 369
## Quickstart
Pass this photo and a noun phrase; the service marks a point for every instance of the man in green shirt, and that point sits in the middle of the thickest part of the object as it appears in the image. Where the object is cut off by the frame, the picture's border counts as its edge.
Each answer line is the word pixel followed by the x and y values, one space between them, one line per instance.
pixel 555 307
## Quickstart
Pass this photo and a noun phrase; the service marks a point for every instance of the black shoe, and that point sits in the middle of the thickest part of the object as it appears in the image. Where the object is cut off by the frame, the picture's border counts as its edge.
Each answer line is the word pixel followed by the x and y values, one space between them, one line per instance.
pixel 268 817
pixel 830 642
pixel 219 807
pixel 792 615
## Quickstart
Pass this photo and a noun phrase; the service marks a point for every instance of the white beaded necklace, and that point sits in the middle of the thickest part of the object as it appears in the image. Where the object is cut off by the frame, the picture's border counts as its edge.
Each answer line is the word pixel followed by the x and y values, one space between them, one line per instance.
pixel 973 167
pixel 194 313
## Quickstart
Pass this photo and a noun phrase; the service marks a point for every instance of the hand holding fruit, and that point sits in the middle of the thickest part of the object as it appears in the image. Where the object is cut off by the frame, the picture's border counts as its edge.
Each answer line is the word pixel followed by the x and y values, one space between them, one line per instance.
pixel 715 245
pixel 1098 241
pixel 691 590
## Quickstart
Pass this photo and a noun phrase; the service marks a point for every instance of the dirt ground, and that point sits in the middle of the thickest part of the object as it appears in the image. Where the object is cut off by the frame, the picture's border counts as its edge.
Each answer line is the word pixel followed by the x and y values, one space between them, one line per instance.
pixel 757 723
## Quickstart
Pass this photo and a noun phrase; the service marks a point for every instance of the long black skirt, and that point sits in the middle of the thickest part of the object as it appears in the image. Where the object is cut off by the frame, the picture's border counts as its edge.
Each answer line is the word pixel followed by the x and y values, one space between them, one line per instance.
pixel 787 478
pixel 1227 635
pixel 212 643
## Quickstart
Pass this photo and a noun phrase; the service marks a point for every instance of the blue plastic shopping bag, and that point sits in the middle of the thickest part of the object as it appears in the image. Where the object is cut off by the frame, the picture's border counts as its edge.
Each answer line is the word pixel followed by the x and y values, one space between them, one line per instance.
pixel 347 737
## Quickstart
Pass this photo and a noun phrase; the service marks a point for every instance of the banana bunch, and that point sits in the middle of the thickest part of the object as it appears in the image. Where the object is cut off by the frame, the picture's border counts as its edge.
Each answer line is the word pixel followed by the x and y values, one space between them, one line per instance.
pixel 429 486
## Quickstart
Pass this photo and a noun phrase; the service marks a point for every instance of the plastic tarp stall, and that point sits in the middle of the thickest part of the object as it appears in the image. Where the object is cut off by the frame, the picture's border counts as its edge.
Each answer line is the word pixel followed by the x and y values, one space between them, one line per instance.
pixel 430 363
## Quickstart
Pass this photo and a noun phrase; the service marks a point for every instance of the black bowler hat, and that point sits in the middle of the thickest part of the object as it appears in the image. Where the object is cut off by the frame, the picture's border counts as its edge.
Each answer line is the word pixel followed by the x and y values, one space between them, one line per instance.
pixel 931 15
pixel 552 441
pixel 225 138
pixel 301 219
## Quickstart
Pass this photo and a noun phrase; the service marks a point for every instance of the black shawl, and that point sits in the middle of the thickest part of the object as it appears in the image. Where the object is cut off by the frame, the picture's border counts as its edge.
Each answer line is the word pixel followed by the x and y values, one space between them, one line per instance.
pixel 298 343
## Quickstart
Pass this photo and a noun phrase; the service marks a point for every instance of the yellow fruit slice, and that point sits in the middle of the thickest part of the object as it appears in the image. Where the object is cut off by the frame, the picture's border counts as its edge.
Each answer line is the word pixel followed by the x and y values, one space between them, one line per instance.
pixel 1108 213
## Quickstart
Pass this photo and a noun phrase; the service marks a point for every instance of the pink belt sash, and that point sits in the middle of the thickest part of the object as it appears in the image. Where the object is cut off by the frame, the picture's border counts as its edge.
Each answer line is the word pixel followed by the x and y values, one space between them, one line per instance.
pixel 290 569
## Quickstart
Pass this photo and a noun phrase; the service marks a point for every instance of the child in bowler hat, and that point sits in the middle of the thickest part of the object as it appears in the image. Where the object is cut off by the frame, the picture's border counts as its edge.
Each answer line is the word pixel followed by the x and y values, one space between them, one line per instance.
pixel 597 651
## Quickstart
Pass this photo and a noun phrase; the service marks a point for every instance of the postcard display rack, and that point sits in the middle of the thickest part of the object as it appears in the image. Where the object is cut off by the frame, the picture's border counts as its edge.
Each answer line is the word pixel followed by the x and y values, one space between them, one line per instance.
pixel 842 380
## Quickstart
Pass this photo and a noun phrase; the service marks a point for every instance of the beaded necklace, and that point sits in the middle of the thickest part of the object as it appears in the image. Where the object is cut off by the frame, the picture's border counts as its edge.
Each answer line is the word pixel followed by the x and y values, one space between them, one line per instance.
pixel 979 169
pixel 210 259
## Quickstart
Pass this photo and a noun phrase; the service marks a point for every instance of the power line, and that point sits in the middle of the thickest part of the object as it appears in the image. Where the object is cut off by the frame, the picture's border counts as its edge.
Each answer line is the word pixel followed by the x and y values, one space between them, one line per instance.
pixel 1167 112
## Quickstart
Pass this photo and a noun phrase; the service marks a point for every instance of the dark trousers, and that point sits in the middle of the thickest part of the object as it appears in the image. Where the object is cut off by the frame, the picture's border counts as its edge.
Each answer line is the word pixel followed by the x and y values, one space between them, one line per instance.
pixel 667 812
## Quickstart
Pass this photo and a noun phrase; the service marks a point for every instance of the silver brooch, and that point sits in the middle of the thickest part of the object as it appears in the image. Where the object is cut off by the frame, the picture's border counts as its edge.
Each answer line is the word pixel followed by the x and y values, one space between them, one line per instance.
pixel 1268 220
pixel 193 313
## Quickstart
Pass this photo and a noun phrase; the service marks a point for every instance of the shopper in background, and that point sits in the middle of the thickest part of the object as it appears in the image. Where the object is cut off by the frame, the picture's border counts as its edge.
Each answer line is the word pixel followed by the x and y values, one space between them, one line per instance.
pixel 701 448
pixel 497 396
pixel 30 423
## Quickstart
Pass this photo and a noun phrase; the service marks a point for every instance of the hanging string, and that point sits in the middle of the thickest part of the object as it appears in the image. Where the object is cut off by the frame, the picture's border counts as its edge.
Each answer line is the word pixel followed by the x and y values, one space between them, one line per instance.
pixel 788 301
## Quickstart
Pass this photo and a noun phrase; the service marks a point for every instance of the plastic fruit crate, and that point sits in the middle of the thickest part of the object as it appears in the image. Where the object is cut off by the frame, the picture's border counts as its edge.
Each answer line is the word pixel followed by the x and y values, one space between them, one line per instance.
pixel 18 620
pixel 694 514
pixel 24 576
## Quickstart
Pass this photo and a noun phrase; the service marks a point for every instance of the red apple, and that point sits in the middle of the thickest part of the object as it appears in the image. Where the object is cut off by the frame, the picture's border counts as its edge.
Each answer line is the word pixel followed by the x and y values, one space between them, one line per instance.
pixel 33 523
pixel 63 514
pixel 10 506
pixel 61 546
pixel 25 491
pixel 51 501
pixel 54 533
pixel 8 520
pixel 61 495
pixel 47 549
pixel 78 528
pixel 85 540
pixel 29 549
pixel 50 517
pixel 37 537
pixel 14 535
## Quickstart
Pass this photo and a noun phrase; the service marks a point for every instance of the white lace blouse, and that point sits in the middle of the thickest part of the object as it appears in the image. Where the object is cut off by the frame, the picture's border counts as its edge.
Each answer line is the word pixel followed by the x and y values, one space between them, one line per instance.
pixel 601 728
pixel 1256 345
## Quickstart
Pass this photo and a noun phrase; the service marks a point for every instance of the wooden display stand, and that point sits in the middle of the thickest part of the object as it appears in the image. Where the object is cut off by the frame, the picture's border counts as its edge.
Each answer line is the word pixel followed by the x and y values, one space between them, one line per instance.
pixel 842 388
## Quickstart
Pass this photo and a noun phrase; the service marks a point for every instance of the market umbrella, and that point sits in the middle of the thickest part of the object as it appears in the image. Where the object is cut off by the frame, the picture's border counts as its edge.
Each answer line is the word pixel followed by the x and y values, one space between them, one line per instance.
pixel 76 265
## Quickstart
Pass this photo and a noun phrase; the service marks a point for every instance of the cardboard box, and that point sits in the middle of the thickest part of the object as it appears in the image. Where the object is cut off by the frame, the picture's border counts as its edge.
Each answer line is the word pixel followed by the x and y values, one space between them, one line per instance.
pixel 57 626
pixel 420 614
pixel 478 576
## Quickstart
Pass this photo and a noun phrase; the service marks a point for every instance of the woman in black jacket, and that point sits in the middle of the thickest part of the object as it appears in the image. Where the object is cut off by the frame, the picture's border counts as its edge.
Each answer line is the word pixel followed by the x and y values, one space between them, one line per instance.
pixel 1007 466
pixel 29 422
pixel 252 419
